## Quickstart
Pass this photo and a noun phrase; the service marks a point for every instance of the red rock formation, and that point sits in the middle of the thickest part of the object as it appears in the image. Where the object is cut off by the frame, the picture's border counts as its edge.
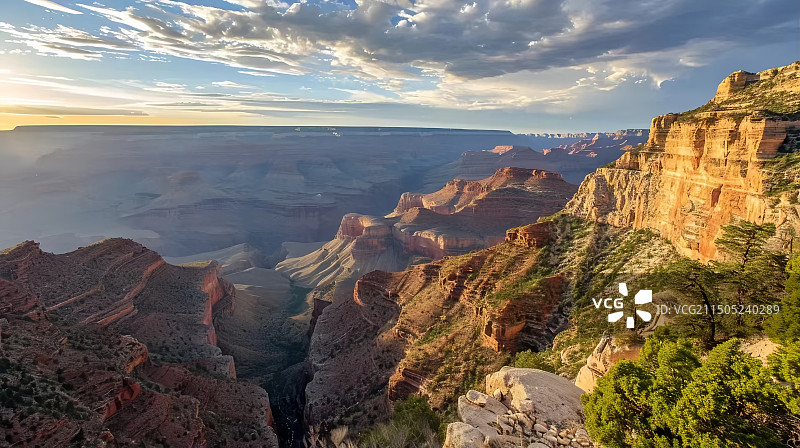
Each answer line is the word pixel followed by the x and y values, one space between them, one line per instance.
pixel 533 235
pixel 461 217
pixel 62 318
pixel 573 161
pixel 405 382
pixel 698 173
pixel 390 339
pixel 128 392
pixel 505 329
pixel 14 298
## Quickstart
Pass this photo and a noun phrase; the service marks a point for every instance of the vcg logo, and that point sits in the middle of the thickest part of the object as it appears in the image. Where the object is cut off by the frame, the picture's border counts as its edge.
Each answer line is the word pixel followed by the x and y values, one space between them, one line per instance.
pixel 641 297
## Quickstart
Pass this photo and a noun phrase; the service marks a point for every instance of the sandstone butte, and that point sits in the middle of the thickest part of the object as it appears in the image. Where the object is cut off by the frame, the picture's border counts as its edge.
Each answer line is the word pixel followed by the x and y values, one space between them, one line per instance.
pixel 76 368
pixel 460 217
pixel 703 169
pixel 438 326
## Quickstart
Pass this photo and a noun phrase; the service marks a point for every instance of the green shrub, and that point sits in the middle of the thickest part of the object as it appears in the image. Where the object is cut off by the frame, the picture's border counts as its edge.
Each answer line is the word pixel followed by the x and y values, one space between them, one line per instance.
pixel 669 398
pixel 535 360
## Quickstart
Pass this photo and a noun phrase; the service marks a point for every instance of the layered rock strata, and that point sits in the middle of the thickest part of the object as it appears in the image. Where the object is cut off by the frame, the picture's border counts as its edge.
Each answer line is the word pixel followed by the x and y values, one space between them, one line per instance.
pixel 461 217
pixel 574 161
pixel 70 376
pixel 394 334
pixel 706 168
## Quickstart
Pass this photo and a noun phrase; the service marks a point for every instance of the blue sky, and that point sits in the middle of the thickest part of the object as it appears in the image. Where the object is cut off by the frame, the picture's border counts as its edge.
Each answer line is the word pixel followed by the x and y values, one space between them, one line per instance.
pixel 522 65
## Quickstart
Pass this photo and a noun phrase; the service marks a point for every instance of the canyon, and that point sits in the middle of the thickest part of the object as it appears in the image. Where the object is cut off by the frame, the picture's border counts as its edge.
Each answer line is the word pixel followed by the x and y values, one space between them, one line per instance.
pixel 572 160
pixel 112 342
pixel 460 217
pixel 187 190
pixel 108 343
pixel 437 328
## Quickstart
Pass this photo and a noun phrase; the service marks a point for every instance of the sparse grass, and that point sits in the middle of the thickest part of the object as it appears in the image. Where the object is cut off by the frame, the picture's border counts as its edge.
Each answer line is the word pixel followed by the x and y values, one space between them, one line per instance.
pixel 783 174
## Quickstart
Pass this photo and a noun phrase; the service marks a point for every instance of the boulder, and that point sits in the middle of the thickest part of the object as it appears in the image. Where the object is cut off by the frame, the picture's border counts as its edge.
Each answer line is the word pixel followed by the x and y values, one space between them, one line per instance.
pixel 608 352
pixel 555 399
pixel 462 435
pixel 477 417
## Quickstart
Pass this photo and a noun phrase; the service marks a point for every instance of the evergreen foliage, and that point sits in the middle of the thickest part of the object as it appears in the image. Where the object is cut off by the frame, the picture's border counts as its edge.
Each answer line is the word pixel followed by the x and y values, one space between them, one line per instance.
pixel 669 398
pixel 750 276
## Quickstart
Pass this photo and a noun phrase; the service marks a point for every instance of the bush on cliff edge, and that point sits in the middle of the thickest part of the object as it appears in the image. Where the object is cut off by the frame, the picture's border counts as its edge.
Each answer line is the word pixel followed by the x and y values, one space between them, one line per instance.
pixel 669 398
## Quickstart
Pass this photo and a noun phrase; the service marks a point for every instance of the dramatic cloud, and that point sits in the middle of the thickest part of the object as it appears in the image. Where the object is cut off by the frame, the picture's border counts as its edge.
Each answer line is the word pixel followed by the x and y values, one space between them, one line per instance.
pixel 476 55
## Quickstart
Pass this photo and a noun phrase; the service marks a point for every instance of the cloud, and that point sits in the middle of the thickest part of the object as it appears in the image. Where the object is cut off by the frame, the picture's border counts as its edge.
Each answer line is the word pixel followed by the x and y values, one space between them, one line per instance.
pixel 53 5
pixel 64 110
pixel 64 41
pixel 470 40
pixel 475 55
pixel 232 85
pixel 254 73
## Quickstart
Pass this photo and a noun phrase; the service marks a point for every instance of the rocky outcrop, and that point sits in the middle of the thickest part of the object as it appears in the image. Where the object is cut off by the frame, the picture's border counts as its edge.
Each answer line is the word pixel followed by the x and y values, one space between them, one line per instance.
pixel 362 244
pixel 521 407
pixel 734 83
pixel 528 321
pixel 462 216
pixel 607 354
pixel 394 335
pixel 533 235
pixel 63 319
pixel 706 168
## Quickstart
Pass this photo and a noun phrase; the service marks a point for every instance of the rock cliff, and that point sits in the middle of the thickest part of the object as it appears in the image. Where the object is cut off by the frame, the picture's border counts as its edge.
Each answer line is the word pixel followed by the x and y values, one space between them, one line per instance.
pixel 731 159
pixel 607 354
pixel 460 217
pixel 70 375
pixel 428 329
pixel 436 328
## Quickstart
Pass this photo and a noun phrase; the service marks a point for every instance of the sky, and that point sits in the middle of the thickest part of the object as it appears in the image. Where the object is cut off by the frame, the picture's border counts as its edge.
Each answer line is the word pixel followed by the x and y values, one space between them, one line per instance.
pixel 519 65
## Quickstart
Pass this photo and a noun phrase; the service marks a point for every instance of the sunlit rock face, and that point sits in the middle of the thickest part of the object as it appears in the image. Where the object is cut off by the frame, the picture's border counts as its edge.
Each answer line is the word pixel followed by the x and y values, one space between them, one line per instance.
pixel 460 217
pixel 703 169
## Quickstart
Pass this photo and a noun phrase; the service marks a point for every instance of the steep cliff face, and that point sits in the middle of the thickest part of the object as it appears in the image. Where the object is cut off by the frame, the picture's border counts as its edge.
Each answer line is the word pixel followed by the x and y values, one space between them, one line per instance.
pixel 461 217
pixel 706 168
pixel 431 328
pixel 438 328
pixel 66 314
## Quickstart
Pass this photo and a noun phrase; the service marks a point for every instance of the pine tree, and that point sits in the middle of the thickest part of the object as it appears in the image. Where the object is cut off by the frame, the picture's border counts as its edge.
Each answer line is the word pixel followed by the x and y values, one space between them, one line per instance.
pixel 694 283
pixel 784 326
pixel 754 274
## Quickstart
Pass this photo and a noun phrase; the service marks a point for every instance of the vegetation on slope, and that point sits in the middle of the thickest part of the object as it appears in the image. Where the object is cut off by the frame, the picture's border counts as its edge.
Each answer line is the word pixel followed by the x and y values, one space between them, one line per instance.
pixel 670 398
pixel 692 385
pixel 776 94
pixel 750 280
